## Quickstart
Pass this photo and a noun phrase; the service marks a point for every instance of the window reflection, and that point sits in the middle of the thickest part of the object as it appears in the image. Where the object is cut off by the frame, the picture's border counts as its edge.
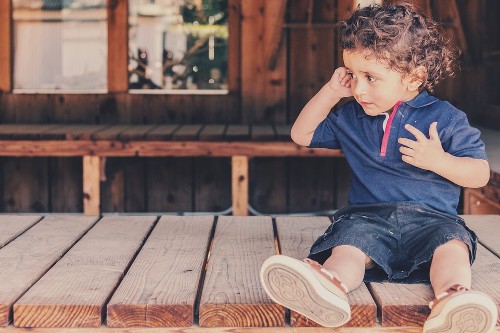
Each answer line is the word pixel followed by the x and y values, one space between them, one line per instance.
pixel 178 44
pixel 60 45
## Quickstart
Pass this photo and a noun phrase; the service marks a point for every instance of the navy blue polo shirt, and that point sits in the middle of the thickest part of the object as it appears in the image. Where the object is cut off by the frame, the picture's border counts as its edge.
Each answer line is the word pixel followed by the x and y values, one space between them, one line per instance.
pixel 380 175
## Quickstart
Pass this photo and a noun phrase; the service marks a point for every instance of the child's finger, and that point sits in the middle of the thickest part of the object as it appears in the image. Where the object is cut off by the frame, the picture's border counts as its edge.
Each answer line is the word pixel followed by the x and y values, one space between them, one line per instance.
pixel 408 143
pixel 406 151
pixel 433 133
pixel 418 135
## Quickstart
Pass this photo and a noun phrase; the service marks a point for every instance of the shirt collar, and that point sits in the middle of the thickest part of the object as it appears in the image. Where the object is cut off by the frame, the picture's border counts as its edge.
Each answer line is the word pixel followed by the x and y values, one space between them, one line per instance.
pixel 421 100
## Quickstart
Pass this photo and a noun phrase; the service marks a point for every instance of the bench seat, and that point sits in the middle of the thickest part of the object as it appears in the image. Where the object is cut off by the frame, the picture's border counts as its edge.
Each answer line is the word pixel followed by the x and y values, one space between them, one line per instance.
pixel 147 273
pixel 94 143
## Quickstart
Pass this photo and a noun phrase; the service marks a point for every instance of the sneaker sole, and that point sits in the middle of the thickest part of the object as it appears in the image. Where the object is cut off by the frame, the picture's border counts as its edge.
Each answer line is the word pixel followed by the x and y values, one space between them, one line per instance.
pixel 290 283
pixel 471 313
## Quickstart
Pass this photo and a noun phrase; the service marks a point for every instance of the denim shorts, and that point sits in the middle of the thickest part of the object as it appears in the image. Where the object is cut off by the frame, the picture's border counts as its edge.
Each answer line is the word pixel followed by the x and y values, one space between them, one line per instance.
pixel 400 238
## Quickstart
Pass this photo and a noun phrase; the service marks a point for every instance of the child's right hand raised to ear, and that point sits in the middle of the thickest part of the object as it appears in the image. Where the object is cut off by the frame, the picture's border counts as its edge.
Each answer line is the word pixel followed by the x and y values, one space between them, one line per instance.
pixel 340 82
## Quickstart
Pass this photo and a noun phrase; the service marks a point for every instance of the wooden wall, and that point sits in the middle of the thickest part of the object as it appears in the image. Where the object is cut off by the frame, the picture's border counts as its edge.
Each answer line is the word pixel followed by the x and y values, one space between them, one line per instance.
pixel 276 66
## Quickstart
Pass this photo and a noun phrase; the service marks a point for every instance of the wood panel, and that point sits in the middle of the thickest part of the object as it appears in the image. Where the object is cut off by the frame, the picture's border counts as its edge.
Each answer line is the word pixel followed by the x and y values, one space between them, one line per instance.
pixel 117 45
pixel 161 286
pixel 263 91
pixel 73 292
pixel 13 226
pixel 212 184
pixel 26 187
pixel 66 182
pixel 296 236
pixel 28 257
pixel 6 45
pixel 232 294
pixel 268 185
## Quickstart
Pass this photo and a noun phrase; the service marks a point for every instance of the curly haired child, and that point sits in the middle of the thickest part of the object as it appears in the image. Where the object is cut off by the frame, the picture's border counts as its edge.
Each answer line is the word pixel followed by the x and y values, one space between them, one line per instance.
pixel 401 224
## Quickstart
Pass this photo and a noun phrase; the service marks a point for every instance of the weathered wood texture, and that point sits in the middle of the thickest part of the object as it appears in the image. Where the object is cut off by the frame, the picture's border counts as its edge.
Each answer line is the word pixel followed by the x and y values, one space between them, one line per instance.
pixel 304 58
pixel 74 291
pixel 27 258
pixel 13 226
pixel 296 235
pixel 161 286
pixel 232 294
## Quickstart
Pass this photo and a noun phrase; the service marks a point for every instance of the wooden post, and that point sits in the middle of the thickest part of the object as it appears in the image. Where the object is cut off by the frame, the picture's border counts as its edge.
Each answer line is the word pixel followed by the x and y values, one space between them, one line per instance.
pixel 117 45
pixel 5 45
pixel 91 185
pixel 239 182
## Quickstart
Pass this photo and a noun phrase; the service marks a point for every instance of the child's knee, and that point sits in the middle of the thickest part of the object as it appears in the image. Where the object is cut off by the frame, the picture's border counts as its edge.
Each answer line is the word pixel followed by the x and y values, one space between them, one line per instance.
pixel 355 253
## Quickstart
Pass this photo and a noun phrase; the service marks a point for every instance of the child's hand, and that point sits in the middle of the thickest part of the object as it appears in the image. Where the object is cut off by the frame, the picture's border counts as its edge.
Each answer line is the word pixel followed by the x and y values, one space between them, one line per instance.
pixel 423 153
pixel 340 83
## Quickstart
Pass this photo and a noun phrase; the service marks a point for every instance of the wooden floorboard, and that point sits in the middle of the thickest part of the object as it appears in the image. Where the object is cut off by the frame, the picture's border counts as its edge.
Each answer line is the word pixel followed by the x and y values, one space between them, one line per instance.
pixel 12 226
pixel 73 293
pixel 296 236
pixel 161 286
pixel 232 294
pixel 29 256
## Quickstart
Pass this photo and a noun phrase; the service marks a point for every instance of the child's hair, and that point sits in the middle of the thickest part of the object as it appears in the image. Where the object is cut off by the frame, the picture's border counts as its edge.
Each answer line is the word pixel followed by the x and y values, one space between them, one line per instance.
pixel 401 37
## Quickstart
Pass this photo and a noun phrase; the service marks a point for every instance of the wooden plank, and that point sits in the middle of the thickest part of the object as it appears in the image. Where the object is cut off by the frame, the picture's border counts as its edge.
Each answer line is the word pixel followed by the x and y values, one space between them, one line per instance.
pixel 75 131
pixel 111 132
pixel 486 227
pixel 117 46
pixel 407 304
pixel 25 185
pixel 283 132
pixel 212 133
pixel 137 132
pixel 30 131
pixel 160 287
pixel 158 148
pixel 162 132
pixel 187 133
pixel 263 91
pixel 268 185
pixel 12 226
pixel 197 329
pixel 91 185
pixel 263 133
pixel 239 181
pixel 66 183
pixel 296 236
pixel 237 133
pixel 212 184
pixel 73 292
pixel 28 257
pixel 6 45
pixel 232 294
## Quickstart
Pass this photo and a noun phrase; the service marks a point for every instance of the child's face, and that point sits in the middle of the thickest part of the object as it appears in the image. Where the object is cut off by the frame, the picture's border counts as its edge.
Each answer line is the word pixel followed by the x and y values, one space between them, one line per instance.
pixel 376 87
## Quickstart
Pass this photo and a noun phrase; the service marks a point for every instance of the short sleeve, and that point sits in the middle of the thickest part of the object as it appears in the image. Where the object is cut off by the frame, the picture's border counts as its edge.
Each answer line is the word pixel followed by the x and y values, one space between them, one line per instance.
pixel 324 135
pixel 464 140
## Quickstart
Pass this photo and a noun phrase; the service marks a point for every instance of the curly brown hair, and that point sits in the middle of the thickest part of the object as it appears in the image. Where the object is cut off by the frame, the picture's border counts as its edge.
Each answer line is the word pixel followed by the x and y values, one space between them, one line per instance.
pixel 404 39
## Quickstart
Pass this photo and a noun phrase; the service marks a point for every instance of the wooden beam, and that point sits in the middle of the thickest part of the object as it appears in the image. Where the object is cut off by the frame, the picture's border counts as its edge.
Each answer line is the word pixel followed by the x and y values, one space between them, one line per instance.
pixel 67 148
pixel 117 45
pixel 277 8
pixel 91 185
pixel 234 70
pixel 5 45
pixel 239 185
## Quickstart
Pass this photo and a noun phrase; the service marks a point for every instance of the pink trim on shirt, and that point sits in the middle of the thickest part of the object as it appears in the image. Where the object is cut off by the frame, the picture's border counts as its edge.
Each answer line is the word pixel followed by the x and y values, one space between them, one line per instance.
pixel 385 139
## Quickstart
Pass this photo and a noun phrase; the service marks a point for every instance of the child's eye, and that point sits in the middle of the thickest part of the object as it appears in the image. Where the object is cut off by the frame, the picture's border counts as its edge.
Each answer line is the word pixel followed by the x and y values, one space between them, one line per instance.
pixel 371 78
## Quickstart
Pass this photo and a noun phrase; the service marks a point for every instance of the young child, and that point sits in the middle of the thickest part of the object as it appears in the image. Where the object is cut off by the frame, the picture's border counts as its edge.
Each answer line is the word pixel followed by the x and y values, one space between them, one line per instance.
pixel 409 153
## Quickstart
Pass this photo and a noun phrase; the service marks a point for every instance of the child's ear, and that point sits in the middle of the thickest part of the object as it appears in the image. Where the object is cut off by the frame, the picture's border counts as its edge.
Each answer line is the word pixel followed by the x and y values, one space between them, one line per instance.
pixel 417 77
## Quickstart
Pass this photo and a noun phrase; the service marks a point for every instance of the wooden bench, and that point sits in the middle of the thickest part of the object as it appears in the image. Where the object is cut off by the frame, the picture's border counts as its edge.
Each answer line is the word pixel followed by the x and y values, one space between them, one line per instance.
pixel 96 142
pixel 186 274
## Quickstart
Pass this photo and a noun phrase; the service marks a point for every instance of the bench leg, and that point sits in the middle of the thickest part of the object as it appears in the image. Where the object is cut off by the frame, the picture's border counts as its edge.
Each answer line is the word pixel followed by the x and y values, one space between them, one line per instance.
pixel 91 185
pixel 239 183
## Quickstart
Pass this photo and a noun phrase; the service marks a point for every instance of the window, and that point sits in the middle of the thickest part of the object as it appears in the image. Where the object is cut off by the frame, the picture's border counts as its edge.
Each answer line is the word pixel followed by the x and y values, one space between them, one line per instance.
pixel 60 45
pixel 178 45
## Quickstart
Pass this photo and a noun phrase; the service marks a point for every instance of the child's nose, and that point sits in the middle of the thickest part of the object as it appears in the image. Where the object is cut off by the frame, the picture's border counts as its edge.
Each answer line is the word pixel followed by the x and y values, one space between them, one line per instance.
pixel 359 88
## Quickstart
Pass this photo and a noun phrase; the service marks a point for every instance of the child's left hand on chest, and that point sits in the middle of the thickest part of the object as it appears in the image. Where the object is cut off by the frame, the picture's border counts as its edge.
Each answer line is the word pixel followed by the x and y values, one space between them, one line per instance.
pixel 424 153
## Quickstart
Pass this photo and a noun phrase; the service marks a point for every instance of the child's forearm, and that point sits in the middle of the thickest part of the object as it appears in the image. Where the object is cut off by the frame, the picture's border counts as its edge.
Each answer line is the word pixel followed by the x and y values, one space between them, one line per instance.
pixel 464 171
pixel 312 114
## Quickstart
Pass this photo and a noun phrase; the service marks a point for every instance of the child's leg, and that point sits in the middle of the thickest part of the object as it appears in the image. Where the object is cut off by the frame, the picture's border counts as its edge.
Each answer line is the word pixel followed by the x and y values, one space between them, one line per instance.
pixel 450 265
pixel 349 263
pixel 457 308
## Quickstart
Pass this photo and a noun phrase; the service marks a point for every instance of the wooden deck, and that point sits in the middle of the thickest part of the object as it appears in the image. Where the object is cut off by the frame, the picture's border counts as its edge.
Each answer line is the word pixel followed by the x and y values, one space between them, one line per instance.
pixel 123 273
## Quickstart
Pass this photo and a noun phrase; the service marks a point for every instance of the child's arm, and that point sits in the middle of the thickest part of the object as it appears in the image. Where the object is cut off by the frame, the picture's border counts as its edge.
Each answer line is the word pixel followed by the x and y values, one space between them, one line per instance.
pixel 428 154
pixel 320 105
